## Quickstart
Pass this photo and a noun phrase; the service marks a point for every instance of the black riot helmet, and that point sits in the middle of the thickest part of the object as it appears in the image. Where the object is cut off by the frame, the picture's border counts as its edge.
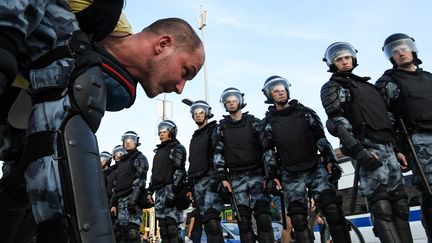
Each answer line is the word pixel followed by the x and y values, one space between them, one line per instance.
pixel 338 49
pixel 118 149
pixel 168 125
pixel 131 135
pixel 400 42
pixel 201 104
pixel 232 92
pixel 107 156
pixel 270 83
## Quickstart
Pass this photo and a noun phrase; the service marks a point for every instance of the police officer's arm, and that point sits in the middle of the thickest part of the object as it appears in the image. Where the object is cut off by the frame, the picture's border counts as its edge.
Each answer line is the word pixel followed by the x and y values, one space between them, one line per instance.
pixel 333 97
pixel 323 145
pixel 390 92
pixel 218 158
pixel 141 167
pixel 178 157
pixel 269 154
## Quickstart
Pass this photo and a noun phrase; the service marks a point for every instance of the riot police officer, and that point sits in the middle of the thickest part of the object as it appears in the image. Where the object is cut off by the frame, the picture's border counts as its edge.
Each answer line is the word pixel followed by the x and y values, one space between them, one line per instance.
pixel 105 160
pixel 358 116
pixel 201 173
pixel 168 181
pixel 239 152
pixel 407 93
pixel 297 134
pixel 130 182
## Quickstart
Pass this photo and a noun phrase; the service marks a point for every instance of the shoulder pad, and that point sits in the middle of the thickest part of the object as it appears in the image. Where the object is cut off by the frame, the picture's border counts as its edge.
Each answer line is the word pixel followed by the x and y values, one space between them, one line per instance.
pixel 330 99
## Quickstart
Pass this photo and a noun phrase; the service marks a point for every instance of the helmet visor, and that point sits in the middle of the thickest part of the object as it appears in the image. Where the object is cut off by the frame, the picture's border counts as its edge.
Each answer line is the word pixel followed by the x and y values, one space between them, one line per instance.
pixel 269 86
pixel 129 138
pixel 231 95
pixel 399 46
pixel 198 108
pixel 339 49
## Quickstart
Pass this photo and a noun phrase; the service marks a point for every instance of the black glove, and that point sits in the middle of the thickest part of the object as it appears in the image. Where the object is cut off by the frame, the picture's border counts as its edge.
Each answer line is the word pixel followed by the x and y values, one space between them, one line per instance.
pixel 368 160
pixel 336 173
pixel 100 18
pixel 270 188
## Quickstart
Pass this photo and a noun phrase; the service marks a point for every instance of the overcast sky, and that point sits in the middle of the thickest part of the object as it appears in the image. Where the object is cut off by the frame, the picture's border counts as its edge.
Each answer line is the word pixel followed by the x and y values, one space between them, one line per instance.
pixel 248 41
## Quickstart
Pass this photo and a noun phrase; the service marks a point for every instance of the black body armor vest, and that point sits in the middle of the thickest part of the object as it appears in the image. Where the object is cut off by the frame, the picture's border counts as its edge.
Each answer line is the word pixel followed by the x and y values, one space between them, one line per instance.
pixel 415 99
pixel 242 150
pixel 293 138
pixel 163 168
pixel 126 173
pixel 366 107
pixel 200 151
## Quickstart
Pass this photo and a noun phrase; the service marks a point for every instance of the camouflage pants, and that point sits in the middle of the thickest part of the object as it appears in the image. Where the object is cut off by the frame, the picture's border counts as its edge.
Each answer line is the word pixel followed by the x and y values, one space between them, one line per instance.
pixel 248 188
pixel 296 183
pixel 204 192
pixel 423 145
pixel 388 174
pixel 124 217
pixel 162 212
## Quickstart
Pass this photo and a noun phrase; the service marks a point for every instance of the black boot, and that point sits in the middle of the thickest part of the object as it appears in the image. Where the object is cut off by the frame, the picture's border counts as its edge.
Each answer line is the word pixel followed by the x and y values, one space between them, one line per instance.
pixel 337 224
pixel 53 231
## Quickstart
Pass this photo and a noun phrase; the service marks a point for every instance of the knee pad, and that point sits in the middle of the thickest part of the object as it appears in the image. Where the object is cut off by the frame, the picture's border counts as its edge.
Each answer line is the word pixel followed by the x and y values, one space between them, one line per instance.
pixel 328 197
pixel 334 214
pixel 213 227
pixel 380 194
pixel 264 223
pixel 244 211
pixel 400 204
pixel 210 214
pixel 261 207
pixel 299 222
pixel 172 228
pixel 382 209
pixel 132 235
pixel 245 225
pixel 163 228
pixel 297 208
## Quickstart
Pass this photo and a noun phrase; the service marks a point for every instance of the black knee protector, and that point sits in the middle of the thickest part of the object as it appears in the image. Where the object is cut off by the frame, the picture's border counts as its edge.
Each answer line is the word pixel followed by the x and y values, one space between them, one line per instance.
pixel 213 227
pixel 382 209
pixel 380 194
pixel 245 225
pixel 298 213
pixel 163 228
pixel 330 205
pixel 132 235
pixel 262 216
pixel 172 228
pixel 210 214
pixel 400 203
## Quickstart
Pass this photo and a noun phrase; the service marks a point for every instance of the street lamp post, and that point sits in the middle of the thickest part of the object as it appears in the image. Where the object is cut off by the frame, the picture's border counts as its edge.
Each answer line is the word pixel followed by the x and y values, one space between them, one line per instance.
pixel 202 22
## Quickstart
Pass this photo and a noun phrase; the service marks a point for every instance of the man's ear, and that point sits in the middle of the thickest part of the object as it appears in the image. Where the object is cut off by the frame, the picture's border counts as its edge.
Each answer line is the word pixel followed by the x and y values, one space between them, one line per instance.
pixel 163 43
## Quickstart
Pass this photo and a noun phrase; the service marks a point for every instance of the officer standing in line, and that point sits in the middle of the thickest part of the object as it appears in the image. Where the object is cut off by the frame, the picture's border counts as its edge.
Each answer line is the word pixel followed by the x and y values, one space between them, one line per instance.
pixel 168 181
pixel 407 92
pixel 358 116
pixel 105 160
pixel 202 175
pixel 130 182
pixel 297 134
pixel 238 150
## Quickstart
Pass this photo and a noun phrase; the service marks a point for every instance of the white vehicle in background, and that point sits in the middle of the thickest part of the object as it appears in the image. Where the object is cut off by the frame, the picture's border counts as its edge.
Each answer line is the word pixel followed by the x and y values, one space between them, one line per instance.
pixel 361 217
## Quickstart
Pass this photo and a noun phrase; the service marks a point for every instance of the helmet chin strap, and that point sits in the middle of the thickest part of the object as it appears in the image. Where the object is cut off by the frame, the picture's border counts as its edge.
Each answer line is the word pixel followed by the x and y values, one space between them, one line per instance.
pixel 282 103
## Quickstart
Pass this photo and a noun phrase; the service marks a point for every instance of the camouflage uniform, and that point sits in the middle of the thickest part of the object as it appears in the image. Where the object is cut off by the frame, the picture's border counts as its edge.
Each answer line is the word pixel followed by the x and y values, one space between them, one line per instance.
pixel 205 195
pixel 49 24
pixel 164 212
pixel 413 106
pixel 245 173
